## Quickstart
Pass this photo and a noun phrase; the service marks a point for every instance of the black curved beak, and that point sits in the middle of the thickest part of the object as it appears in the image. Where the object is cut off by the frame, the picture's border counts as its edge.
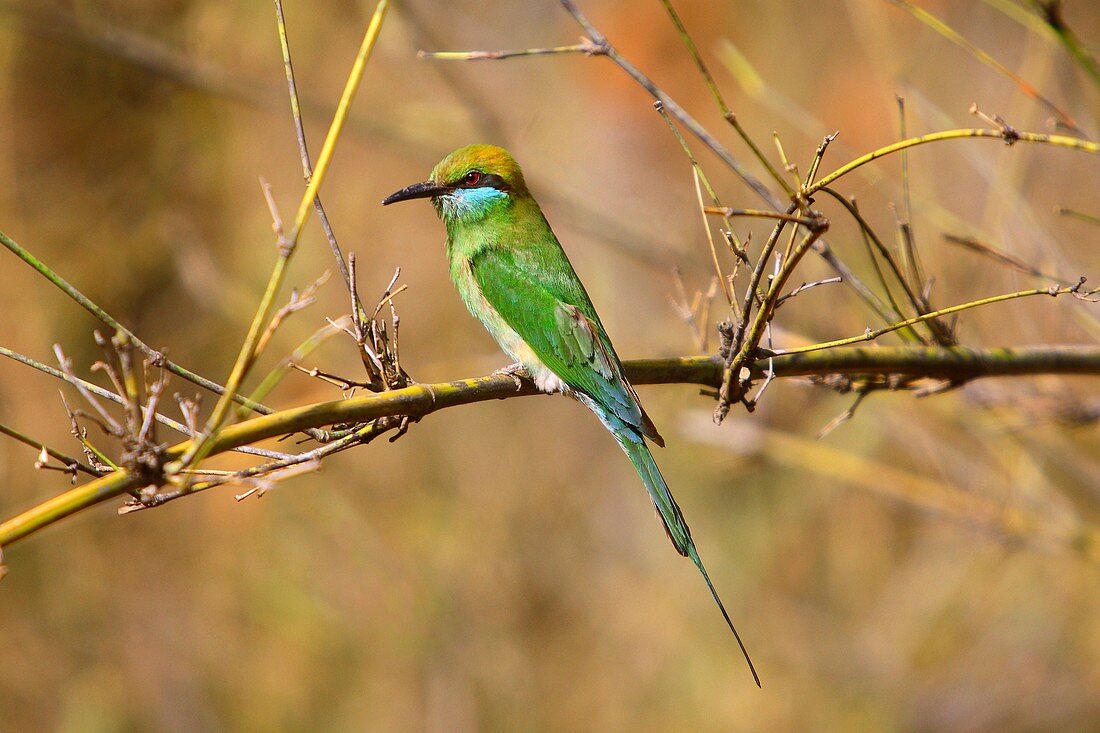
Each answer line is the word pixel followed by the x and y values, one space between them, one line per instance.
pixel 427 189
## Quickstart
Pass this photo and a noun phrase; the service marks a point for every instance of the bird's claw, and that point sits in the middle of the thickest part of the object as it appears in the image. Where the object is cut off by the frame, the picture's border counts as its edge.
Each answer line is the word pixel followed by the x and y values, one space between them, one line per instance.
pixel 516 371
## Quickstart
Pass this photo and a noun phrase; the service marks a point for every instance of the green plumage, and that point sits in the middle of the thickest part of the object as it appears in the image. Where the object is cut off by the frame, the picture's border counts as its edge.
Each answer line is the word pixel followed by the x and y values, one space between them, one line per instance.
pixel 514 276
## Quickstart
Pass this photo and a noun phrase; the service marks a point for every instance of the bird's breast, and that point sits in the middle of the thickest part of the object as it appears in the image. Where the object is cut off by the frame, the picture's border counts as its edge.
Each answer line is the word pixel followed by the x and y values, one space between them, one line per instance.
pixel 510 341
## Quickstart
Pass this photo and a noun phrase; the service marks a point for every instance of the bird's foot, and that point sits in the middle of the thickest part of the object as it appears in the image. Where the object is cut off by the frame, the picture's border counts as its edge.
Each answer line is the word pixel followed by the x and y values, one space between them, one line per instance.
pixel 516 371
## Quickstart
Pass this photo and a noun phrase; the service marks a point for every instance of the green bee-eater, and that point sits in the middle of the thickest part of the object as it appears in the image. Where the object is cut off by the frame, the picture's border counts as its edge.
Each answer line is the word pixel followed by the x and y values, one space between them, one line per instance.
pixel 513 274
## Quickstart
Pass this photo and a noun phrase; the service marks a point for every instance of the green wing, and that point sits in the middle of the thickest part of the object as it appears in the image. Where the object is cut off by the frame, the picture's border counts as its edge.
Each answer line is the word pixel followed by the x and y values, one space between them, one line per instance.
pixel 545 303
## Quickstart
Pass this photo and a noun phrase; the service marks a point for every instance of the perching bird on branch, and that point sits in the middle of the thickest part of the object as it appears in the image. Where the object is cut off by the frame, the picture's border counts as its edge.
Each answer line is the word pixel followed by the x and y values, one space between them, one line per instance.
pixel 513 274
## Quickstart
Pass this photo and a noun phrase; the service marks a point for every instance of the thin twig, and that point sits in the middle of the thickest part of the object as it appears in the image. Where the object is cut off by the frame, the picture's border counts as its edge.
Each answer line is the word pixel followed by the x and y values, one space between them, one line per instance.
pixel 585 46
pixel 86 386
pixel 759 213
pixel 71 464
pixel 1009 137
pixel 996 253
pixel 804 287
pixel 843 417
pixel 940 332
pixel 726 288
pixel 871 334
pixel 1079 215
pixel 737 248
pixel 299 129
pixel 112 426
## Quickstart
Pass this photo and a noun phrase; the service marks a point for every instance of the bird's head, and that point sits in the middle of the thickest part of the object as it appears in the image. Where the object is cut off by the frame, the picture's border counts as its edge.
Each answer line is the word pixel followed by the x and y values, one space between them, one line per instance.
pixel 469 184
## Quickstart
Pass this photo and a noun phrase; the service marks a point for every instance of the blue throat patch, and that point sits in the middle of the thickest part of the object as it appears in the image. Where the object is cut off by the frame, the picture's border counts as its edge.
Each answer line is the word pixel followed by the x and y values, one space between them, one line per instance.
pixel 471 204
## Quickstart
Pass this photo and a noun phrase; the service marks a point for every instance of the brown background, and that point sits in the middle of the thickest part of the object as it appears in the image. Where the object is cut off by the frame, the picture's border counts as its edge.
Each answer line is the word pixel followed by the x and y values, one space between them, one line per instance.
pixel 499 567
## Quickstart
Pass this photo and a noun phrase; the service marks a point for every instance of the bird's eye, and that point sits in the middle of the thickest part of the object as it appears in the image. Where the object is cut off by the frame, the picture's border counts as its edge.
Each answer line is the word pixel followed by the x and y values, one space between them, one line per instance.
pixel 473 178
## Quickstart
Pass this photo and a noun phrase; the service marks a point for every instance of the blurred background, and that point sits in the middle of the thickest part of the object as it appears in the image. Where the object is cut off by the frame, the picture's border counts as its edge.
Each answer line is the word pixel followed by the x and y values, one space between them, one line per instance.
pixel 499 568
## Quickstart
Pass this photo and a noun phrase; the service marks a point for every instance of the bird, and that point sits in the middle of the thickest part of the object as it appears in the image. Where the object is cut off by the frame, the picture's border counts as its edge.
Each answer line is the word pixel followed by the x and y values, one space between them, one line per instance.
pixel 514 276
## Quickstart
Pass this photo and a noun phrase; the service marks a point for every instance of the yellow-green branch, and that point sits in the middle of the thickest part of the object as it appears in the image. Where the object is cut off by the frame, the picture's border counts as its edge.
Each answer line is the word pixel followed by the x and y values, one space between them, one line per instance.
pixel 870 335
pixel 1008 136
pixel 956 363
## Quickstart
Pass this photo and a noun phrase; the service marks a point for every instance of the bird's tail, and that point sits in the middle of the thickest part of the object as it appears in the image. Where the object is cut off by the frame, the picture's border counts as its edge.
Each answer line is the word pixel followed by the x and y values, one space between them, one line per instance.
pixel 638 453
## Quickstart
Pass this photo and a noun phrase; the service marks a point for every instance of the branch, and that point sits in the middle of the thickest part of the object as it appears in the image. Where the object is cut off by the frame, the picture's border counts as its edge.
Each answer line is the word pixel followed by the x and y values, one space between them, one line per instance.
pixel 1009 136
pixel 956 363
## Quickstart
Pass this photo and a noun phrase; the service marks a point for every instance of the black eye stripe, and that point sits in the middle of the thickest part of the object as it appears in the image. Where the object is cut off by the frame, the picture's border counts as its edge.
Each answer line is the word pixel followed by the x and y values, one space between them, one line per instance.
pixel 487 180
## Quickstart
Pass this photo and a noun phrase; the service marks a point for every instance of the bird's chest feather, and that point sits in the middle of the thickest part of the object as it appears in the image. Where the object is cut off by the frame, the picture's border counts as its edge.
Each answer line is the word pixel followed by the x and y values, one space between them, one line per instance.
pixel 510 341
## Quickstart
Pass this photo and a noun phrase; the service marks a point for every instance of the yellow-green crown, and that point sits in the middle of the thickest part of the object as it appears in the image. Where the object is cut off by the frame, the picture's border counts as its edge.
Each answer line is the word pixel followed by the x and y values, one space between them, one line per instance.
pixel 489 160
